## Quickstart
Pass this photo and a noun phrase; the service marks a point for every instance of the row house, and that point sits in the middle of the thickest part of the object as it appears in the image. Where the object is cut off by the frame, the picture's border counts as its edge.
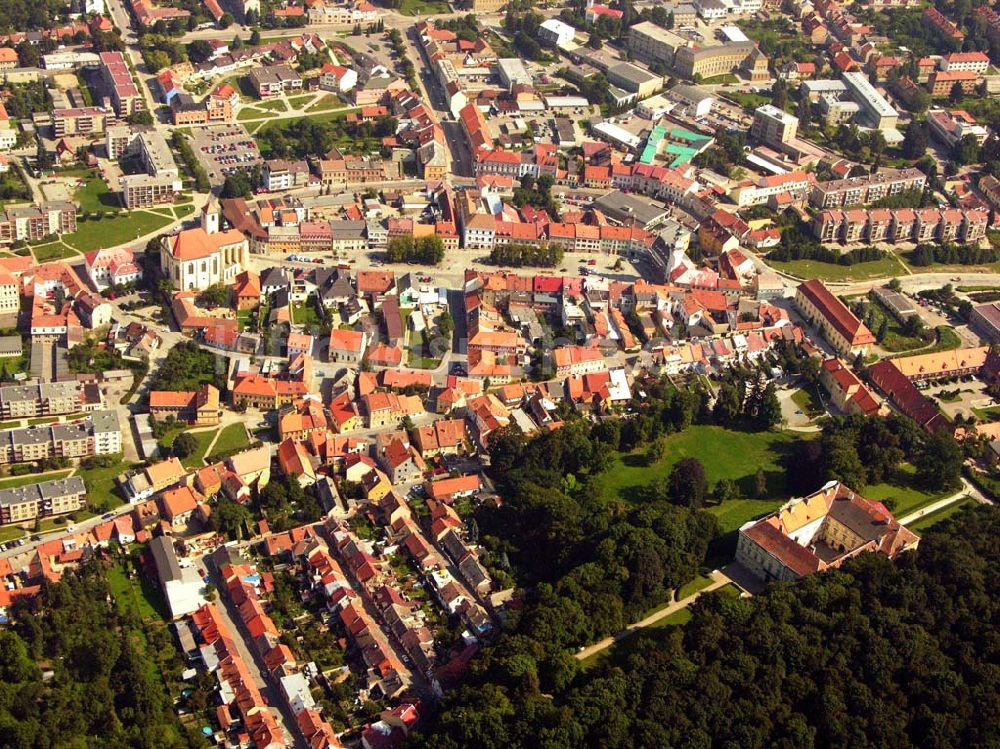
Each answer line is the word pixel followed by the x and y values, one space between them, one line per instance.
pixel 866 189
pixel 900 225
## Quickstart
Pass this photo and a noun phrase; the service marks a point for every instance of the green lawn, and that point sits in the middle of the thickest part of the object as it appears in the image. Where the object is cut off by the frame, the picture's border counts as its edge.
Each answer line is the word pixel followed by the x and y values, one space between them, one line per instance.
pixel 32 478
pixel 139 596
pixel 53 251
pixel 304 313
pixel 808 401
pixel 689 589
pixel 10 532
pixel 747 101
pixel 933 518
pixel 95 195
pixel 232 437
pixel 183 210
pixel 726 454
pixel 422 7
pixel 887 266
pixel 102 490
pixel 197 458
pixel 906 495
pixel 274 105
pixel 324 102
pixel 126 227
pixel 251 113
pixel 298 101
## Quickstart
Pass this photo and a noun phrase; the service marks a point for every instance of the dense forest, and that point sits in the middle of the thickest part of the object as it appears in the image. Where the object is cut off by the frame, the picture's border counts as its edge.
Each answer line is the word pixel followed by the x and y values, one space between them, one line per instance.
pixel 878 654
pixel 103 689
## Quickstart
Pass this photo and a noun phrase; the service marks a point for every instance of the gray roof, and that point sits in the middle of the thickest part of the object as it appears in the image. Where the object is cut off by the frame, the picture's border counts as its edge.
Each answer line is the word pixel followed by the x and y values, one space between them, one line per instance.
pixel 105 421
pixel 46 490
pixel 165 559
pixel 619 206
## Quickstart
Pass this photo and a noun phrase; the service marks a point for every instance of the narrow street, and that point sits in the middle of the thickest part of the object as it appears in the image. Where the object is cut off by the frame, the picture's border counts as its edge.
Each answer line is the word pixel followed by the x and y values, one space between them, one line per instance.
pixel 285 719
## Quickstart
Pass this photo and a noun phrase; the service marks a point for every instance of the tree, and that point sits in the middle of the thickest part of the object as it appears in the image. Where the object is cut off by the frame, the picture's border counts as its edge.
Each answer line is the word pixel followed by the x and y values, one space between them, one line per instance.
pixel 939 463
pixel 760 484
pixel 779 93
pixel 255 38
pixel 657 449
pixel 725 490
pixel 687 484
pixel 957 93
pixel 199 51
pixel 226 21
pixel 216 295
pixel 237 185
pixel 231 520
pixel 915 140
pixel 185 444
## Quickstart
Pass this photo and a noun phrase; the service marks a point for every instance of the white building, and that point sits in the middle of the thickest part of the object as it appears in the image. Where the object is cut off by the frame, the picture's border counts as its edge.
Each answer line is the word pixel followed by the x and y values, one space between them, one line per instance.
pixel 182 586
pixel 195 259
pixel 556 32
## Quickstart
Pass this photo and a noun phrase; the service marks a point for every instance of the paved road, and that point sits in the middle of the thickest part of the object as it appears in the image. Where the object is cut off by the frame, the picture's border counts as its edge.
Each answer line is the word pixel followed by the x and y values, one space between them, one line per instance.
pixel 718 580
pixel 278 706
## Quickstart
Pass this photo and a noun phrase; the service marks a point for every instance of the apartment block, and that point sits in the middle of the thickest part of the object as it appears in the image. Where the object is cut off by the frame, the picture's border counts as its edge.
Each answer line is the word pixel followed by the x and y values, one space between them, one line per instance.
pixel 40 399
pixel 866 189
pixel 45 499
pixel 96 434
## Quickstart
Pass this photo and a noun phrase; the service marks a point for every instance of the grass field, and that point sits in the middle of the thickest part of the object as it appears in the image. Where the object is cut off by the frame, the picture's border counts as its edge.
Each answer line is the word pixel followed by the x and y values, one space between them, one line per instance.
pixel 232 437
pixel 304 313
pixel 197 458
pixel 689 589
pixel 95 195
pixel 423 7
pixel 90 235
pixel 183 210
pixel 907 497
pixel 808 401
pixel 887 266
pixel 726 454
pixel 32 478
pixel 298 101
pixel 933 518
pixel 53 251
pixel 139 596
pixel 10 532
pixel 101 487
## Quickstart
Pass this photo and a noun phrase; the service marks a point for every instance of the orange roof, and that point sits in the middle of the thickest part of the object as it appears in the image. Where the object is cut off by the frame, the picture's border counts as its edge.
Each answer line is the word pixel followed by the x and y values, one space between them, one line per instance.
pixel 192 244
pixel 178 501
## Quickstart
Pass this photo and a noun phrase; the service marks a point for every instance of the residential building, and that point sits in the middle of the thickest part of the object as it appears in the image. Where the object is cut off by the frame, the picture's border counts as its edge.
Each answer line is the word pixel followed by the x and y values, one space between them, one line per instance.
pixel 271 80
pixel 199 408
pixel 866 189
pixel 96 434
pixel 876 112
pixel 45 499
pixel 845 332
pixel 112 267
pixel 182 586
pixel 773 126
pixel 41 399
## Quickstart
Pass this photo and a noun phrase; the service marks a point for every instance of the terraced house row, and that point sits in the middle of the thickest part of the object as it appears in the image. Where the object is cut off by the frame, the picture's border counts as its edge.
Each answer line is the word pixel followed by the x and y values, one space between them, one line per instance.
pixel 97 434
pixel 900 225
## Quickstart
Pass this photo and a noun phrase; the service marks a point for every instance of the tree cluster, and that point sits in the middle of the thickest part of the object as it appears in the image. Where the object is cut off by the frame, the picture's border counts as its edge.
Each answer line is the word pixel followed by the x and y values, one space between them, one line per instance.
pixel 420 250
pixel 103 683
pixel 947 253
pixel 863 450
pixel 520 255
pixel 797 244
pixel 186 367
pixel 875 654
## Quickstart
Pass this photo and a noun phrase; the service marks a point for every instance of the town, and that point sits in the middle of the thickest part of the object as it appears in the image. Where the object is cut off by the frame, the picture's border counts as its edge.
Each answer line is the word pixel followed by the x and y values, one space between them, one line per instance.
pixel 380 374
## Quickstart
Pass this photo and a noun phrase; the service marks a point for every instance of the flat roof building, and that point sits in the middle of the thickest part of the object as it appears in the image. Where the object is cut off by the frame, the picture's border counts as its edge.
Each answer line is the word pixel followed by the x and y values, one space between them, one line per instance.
pixel 876 111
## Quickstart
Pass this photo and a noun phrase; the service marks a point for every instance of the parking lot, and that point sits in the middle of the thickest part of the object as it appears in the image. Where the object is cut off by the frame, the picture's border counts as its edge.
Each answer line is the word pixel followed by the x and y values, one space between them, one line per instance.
pixel 224 149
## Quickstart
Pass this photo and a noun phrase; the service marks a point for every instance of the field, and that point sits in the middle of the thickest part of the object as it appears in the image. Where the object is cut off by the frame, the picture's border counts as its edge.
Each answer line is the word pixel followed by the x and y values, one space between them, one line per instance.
pixel 933 518
pixel 423 7
pixel 808 400
pixel 906 496
pixel 126 227
pixel 231 438
pixel 32 478
pixel 726 454
pixel 101 487
pixel 196 459
pixel 52 251
pixel 887 266
pixel 95 196
pixel 304 313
